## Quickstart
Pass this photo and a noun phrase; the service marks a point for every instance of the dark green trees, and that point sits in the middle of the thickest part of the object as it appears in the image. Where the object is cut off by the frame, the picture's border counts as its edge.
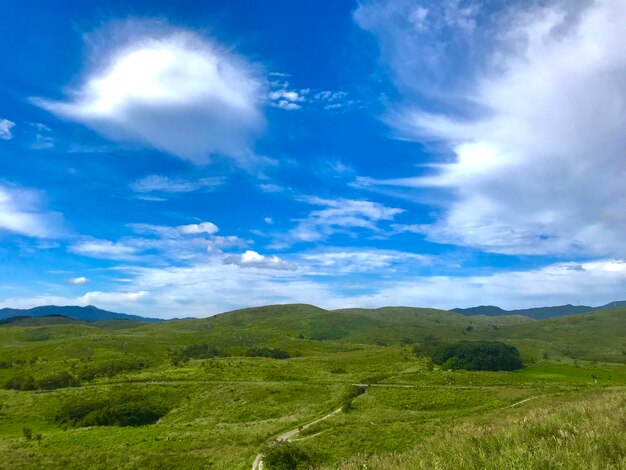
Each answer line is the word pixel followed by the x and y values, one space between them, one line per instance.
pixel 478 355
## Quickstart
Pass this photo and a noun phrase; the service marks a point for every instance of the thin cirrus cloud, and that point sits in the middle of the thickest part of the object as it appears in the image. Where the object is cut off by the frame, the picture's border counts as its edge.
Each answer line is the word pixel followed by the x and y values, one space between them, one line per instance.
pixel 337 216
pixel 534 128
pixel 168 89
pixel 165 184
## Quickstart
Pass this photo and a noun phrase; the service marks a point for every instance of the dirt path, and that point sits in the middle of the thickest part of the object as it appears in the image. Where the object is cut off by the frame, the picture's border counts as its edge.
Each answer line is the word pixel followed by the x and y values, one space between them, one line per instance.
pixel 288 435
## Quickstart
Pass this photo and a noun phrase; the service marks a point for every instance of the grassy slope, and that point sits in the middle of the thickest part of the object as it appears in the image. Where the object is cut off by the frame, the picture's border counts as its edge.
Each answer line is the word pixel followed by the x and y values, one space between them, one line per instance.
pixel 224 409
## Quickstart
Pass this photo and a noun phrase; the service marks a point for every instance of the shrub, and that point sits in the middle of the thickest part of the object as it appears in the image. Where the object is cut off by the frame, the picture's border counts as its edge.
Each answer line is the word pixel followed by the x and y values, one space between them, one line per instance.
pixel 195 351
pixel 21 382
pixel 28 433
pixel 281 455
pixel 268 352
pixel 478 355
pixel 6 364
pixel 59 380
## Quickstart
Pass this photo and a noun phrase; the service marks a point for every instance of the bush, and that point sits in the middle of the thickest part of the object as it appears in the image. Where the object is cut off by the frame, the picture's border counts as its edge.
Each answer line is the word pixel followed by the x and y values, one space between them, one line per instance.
pixel 21 382
pixel 195 351
pixel 285 456
pixel 116 410
pixel 478 355
pixel 59 380
pixel 6 364
pixel 268 352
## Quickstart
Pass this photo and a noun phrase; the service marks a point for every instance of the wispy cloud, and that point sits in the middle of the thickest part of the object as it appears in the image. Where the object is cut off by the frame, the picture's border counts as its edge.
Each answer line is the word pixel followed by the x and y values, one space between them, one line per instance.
pixel 164 184
pixel 77 280
pixel 528 109
pixel 22 212
pixel 337 216
pixel 5 129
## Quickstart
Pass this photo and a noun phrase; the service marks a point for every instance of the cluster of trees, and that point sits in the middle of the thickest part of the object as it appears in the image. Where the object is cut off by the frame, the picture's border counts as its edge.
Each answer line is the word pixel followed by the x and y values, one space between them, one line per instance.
pixel 110 368
pixel 195 351
pixel 268 352
pixel 478 355
pixel 50 382
pixel 207 351
pixel 115 410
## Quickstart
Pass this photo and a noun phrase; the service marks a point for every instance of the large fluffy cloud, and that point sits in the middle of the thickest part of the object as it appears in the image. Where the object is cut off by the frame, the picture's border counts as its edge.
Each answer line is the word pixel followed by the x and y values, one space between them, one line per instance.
pixel 169 89
pixel 532 113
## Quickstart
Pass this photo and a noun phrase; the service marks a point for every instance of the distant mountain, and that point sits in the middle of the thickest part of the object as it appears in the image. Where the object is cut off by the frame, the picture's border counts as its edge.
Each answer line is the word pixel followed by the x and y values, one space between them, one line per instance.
pixel 89 313
pixel 538 313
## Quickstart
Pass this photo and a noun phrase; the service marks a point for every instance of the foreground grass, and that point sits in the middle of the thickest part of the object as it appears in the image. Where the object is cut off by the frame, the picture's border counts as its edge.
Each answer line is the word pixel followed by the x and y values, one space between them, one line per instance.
pixel 588 433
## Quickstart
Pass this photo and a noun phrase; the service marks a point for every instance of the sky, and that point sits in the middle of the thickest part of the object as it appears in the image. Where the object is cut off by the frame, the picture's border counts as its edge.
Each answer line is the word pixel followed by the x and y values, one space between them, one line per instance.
pixel 187 158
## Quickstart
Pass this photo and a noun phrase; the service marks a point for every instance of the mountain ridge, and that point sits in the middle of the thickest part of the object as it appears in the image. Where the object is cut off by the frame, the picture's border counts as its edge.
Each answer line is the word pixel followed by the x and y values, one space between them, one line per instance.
pixel 89 313
pixel 538 313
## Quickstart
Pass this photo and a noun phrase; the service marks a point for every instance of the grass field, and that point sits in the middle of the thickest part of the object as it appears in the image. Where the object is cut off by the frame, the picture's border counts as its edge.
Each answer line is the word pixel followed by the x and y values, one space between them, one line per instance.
pixel 565 409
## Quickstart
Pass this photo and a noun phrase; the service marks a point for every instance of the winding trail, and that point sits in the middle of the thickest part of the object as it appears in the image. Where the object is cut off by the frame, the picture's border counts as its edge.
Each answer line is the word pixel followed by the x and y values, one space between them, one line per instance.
pixel 288 435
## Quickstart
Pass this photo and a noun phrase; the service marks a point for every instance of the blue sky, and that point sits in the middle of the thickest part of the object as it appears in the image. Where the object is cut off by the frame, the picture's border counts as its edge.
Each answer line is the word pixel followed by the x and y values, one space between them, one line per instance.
pixel 202 156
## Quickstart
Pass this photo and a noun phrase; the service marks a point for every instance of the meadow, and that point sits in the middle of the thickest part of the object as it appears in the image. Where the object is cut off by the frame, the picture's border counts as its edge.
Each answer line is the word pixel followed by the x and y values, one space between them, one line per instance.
pixel 208 393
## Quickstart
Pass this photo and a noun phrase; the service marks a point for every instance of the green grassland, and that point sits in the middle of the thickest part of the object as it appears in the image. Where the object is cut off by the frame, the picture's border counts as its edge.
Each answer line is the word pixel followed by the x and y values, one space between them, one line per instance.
pixel 565 409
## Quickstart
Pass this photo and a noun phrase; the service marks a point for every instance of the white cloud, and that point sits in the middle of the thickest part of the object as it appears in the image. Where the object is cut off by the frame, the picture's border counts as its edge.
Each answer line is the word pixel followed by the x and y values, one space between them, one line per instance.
pixel 21 213
pixel 78 280
pixel 104 249
pixel 339 216
pixel 5 129
pixel 536 132
pixel 268 220
pixel 203 227
pixel 164 184
pixel 171 90
pixel 252 259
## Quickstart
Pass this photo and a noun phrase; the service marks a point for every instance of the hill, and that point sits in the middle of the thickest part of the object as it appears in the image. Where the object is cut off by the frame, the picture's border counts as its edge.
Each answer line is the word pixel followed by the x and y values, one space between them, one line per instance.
pixel 39 321
pixel 88 313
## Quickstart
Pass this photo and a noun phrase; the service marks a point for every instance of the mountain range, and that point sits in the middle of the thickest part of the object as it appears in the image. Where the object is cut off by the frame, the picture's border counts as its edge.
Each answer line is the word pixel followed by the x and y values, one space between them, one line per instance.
pixel 538 313
pixel 88 313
